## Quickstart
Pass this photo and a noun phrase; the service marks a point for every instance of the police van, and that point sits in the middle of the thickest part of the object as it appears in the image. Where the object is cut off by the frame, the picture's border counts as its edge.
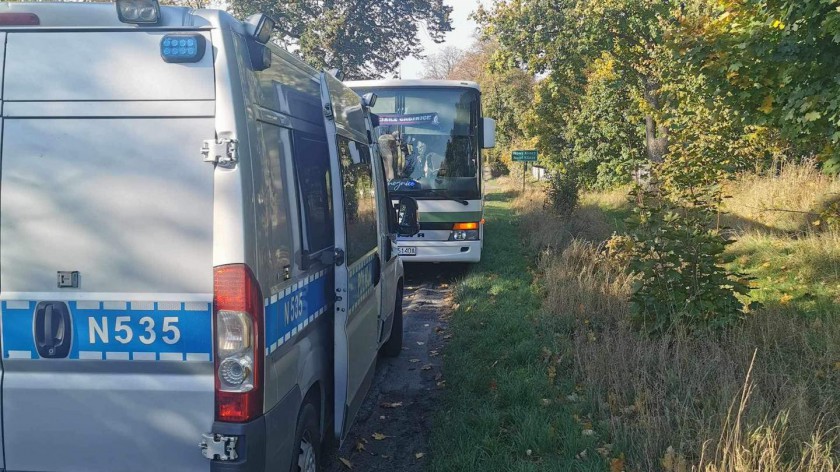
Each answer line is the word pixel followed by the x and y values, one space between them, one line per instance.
pixel 197 260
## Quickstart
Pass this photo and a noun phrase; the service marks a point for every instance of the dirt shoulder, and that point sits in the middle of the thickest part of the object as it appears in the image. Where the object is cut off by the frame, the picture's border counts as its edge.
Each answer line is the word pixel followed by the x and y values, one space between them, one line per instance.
pixel 391 431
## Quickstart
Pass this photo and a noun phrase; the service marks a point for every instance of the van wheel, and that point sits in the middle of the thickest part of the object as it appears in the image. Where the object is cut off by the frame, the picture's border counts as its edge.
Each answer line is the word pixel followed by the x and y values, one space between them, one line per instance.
pixel 393 346
pixel 307 442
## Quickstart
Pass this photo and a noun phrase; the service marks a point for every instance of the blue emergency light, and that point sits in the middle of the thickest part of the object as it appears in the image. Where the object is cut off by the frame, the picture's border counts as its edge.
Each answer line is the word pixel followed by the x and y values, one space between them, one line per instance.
pixel 182 48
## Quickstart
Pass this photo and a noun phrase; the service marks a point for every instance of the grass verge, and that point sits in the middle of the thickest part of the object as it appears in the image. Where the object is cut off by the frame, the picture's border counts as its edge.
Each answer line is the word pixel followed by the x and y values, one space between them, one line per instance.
pixel 762 396
pixel 503 409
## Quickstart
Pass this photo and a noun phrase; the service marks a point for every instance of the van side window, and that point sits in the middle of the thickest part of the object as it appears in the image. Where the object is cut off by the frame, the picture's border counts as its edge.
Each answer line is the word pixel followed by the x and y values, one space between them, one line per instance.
pixel 359 198
pixel 273 225
pixel 312 164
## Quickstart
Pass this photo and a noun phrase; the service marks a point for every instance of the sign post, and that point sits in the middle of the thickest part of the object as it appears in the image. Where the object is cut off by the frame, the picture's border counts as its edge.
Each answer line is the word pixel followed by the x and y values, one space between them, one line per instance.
pixel 524 157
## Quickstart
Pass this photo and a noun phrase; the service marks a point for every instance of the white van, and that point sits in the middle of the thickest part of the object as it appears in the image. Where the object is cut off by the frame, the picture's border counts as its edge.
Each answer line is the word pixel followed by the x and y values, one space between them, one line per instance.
pixel 197 263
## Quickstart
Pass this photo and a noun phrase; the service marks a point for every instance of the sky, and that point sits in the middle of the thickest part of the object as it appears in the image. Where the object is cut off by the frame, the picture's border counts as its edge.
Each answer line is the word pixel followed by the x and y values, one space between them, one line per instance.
pixel 461 36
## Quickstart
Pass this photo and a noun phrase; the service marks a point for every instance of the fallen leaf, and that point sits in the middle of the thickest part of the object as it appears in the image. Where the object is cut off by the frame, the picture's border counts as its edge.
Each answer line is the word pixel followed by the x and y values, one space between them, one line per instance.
pixel 378 436
pixel 414 361
pixel 360 446
pixel 381 417
pixel 426 325
pixel 439 375
pixel 433 353
pixel 426 367
pixel 391 405
pixel 582 455
pixel 546 401
pixel 419 455
pixel 588 432
pixel 448 336
pixel 346 463
pixel 420 343
pixel 617 465
pixel 438 329
pixel 786 299
pixel 528 452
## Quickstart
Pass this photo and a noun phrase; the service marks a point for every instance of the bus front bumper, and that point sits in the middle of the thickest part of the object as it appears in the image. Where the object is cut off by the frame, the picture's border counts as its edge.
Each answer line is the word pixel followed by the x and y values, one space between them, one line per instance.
pixel 441 251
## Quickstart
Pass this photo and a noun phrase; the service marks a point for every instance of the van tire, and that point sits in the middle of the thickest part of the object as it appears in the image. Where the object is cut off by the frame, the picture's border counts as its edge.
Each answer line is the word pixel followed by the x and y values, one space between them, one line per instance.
pixel 393 347
pixel 306 456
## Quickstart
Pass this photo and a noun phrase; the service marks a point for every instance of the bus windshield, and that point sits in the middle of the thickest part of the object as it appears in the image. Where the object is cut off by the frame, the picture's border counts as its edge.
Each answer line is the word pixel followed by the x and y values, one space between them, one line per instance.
pixel 428 138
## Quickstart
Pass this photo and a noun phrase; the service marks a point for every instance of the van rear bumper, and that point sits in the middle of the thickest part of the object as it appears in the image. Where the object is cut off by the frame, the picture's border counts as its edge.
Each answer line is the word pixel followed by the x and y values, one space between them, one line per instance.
pixel 250 446
pixel 265 444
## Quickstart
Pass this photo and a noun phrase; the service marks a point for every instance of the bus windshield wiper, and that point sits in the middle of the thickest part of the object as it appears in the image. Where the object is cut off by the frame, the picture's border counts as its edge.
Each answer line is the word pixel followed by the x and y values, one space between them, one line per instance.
pixel 447 196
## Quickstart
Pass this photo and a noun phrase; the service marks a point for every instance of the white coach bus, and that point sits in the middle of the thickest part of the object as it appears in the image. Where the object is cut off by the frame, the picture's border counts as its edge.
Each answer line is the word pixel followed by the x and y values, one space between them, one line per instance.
pixel 431 133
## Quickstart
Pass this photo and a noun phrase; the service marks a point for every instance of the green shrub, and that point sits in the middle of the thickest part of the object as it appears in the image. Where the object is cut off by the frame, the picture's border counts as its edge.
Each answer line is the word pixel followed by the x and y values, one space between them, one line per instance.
pixel 564 192
pixel 677 257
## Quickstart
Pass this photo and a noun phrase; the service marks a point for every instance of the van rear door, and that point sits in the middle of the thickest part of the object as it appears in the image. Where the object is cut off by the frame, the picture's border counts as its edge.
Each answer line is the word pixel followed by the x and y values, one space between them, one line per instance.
pixel 2 60
pixel 106 243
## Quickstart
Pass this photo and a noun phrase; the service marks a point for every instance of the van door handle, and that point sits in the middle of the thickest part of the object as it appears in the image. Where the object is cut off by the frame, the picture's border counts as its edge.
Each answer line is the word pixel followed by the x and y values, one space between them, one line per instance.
pixel 377 270
pixel 53 330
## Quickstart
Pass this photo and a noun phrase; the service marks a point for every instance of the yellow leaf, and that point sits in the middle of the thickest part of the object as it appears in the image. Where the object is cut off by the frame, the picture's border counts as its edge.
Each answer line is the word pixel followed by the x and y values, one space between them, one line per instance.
pixel 786 299
pixel 617 465
pixel 378 436
pixel 346 463
pixel 767 105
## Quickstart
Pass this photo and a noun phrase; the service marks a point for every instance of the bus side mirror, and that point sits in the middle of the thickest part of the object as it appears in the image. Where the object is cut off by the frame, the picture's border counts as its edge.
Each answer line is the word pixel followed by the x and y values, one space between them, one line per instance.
pixel 489 133
pixel 408 218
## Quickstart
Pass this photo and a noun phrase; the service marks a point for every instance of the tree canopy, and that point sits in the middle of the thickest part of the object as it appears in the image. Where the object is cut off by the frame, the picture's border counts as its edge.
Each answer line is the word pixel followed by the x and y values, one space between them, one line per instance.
pixel 364 39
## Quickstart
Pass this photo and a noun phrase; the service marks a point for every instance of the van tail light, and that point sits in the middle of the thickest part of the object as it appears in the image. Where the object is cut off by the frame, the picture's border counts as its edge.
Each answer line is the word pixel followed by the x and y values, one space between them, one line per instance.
pixel 239 327
pixel 19 19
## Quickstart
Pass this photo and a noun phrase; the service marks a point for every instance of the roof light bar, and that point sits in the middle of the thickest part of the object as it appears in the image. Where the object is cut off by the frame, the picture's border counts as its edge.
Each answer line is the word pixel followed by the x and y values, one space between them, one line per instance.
pixel 138 12
pixel 19 19
pixel 181 48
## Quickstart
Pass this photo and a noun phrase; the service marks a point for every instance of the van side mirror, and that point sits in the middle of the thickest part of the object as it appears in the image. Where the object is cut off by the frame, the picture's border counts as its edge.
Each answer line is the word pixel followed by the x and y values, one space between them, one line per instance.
pixel 408 218
pixel 260 56
pixel 489 125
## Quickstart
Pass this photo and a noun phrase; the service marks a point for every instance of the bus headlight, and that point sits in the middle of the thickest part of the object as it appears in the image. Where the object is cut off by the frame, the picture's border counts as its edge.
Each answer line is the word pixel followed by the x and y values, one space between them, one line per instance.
pixel 469 235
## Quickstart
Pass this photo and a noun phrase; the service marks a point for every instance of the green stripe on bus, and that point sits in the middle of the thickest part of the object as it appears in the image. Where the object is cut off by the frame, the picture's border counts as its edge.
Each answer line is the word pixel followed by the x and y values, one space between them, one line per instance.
pixel 450 217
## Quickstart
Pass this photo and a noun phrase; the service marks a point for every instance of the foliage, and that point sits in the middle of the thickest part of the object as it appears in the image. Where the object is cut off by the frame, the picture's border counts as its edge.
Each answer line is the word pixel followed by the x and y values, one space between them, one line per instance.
pixel 563 39
pixel 677 255
pixel 364 39
pixel 604 131
pixel 564 192
pixel 778 60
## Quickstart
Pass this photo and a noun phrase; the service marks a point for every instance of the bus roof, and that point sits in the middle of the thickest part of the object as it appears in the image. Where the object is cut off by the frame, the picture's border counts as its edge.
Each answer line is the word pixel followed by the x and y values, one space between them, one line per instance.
pixel 390 83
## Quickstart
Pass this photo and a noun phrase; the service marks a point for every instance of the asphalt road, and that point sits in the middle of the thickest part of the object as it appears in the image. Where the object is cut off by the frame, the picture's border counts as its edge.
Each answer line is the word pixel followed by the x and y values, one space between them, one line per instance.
pixel 391 432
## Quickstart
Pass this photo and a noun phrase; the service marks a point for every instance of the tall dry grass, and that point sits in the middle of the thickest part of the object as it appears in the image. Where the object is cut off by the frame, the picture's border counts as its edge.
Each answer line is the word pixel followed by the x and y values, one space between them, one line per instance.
pixel 787 201
pixel 764 396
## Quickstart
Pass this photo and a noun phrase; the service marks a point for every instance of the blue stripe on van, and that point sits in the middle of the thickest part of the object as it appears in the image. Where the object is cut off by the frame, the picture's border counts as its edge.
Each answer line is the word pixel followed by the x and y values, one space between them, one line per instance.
pixel 109 330
pixel 360 283
pixel 293 309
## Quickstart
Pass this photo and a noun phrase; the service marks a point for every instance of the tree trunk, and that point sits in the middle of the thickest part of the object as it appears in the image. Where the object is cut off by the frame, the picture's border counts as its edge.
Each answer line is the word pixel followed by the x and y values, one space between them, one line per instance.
pixel 656 135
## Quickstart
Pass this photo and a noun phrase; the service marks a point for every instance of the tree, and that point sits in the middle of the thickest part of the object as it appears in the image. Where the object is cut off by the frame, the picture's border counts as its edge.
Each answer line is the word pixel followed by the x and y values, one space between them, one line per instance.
pixel 778 60
pixel 563 38
pixel 362 38
pixel 440 65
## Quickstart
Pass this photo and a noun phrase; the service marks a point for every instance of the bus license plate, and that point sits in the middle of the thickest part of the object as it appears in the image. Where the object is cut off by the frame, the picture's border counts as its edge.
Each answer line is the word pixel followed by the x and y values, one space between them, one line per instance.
pixel 407 251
